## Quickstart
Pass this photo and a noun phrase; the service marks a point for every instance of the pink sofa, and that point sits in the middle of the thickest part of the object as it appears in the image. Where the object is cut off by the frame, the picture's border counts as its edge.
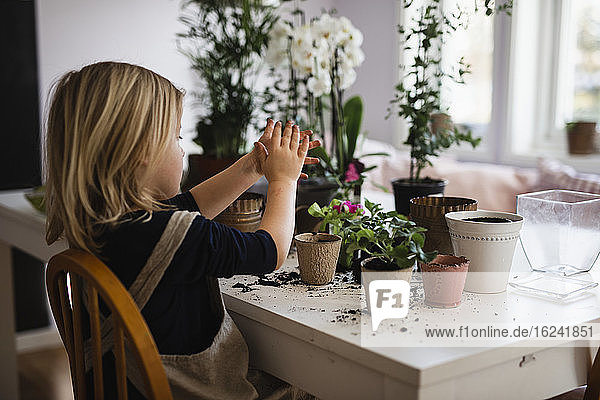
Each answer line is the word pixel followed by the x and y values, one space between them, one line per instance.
pixel 494 186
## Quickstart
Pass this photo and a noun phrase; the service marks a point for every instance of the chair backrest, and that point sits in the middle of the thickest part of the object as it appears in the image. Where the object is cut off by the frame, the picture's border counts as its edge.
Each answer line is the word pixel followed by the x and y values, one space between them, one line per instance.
pixel 67 302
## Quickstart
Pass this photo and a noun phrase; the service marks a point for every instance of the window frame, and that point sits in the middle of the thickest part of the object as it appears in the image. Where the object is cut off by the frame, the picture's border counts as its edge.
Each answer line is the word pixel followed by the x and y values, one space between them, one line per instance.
pixel 546 137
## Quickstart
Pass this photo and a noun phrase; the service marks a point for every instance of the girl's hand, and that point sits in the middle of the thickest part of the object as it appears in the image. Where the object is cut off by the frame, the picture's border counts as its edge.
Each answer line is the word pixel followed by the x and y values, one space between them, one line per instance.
pixel 262 148
pixel 287 153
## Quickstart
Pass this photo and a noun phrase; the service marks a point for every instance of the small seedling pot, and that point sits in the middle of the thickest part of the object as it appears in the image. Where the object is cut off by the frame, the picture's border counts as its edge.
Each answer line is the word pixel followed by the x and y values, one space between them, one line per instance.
pixel 317 256
pixel 444 280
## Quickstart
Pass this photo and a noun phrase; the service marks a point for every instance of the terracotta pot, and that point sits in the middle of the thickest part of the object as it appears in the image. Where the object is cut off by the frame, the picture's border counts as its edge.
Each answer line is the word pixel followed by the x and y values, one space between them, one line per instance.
pixel 444 280
pixel 440 122
pixel 405 189
pixel 429 212
pixel 244 214
pixel 201 167
pixel 371 272
pixel 488 243
pixel 581 137
pixel 317 256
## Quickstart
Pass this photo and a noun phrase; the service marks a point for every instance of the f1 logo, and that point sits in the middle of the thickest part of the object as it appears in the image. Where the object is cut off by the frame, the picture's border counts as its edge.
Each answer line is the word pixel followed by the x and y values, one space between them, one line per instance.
pixel 388 299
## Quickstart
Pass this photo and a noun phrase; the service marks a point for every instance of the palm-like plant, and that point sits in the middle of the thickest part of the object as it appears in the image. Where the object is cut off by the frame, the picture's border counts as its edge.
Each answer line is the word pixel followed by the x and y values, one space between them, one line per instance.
pixel 224 41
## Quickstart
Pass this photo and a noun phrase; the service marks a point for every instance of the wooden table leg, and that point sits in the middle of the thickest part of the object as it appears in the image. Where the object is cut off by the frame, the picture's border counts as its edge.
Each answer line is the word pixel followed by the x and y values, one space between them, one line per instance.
pixel 9 388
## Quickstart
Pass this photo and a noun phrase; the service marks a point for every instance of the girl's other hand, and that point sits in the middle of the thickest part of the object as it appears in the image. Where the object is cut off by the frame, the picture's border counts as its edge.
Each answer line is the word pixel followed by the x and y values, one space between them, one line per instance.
pixel 264 146
pixel 286 156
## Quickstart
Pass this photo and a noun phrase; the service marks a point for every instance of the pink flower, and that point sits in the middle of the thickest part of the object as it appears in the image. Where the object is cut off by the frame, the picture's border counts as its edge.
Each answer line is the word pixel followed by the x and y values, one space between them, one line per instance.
pixel 346 206
pixel 353 208
pixel 352 173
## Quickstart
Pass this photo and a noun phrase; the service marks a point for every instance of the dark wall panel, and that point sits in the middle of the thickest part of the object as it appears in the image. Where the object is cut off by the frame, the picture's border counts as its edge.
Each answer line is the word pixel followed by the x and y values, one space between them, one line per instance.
pixel 19 102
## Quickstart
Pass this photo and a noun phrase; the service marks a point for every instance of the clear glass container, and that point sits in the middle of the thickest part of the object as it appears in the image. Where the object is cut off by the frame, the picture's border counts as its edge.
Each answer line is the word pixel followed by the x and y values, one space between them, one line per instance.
pixel 561 230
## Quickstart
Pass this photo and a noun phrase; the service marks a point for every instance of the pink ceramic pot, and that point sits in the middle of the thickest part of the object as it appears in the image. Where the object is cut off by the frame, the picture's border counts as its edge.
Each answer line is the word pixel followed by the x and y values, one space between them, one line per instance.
pixel 444 280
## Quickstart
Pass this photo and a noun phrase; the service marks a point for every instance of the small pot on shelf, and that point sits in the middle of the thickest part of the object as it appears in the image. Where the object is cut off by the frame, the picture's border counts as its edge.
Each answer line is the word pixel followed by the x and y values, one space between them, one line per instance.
pixel 488 239
pixel 444 280
pixel 317 256
pixel 581 136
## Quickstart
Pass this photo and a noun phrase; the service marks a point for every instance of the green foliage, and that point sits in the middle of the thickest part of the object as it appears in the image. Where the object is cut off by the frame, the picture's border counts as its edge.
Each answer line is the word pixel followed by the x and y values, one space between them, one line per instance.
pixel 224 41
pixel 387 235
pixel 418 100
pixel 339 218
pixel 36 198
pixel 353 114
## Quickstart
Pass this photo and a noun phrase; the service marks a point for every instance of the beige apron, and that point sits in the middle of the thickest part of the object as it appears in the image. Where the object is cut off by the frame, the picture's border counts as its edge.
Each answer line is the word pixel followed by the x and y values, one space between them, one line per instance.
pixel 219 372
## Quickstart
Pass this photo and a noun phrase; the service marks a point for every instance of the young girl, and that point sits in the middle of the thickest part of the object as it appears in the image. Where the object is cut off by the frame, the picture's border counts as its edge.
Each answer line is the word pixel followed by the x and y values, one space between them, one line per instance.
pixel 114 165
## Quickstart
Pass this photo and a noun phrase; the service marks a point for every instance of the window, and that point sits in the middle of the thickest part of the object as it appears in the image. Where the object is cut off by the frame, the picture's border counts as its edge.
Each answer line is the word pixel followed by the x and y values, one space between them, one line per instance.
pixel 581 85
pixel 531 74
pixel 554 76
pixel 470 104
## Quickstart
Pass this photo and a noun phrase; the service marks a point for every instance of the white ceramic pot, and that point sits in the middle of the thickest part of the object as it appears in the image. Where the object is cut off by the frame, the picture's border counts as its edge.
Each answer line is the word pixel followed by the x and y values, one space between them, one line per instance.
pixel 489 245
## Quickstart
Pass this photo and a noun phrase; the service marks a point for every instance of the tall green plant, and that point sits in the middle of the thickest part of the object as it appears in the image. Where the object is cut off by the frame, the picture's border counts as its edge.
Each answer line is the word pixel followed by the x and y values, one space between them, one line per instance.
pixel 224 41
pixel 417 96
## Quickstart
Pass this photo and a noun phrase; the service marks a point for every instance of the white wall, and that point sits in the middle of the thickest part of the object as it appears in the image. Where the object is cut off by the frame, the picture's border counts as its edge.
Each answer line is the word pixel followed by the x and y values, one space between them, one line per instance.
pixel 379 74
pixel 73 33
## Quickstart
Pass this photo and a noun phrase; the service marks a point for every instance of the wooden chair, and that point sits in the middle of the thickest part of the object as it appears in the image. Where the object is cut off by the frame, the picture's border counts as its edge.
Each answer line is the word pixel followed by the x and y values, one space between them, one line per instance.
pixel 82 269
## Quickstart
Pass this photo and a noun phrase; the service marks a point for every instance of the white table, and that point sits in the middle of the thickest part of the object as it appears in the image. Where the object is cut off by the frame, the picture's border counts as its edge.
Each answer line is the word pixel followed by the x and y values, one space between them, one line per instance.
pixel 306 335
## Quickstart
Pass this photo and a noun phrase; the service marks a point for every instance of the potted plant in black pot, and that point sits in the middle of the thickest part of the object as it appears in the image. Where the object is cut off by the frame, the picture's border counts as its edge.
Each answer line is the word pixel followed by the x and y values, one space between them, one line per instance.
pixel 224 41
pixel 418 95
pixel 390 245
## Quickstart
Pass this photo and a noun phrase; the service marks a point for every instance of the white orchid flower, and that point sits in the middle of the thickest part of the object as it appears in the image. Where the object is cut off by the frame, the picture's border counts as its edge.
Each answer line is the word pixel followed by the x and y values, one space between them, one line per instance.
pixel 280 29
pixel 270 3
pixel 347 78
pixel 320 84
pixel 276 54
pixel 354 55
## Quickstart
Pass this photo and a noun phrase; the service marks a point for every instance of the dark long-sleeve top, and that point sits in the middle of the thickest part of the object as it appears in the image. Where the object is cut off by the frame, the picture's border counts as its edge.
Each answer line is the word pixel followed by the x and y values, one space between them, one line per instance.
pixel 178 313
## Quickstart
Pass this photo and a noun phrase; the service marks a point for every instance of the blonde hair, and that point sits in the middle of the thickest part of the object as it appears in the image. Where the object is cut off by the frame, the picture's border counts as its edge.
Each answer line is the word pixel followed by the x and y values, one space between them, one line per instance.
pixel 107 127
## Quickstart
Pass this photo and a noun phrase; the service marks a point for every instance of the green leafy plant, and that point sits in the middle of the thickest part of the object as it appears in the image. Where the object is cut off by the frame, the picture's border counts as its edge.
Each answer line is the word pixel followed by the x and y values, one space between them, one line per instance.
pixel 340 218
pixel 224 41
pixel 389 236
pixel 417 96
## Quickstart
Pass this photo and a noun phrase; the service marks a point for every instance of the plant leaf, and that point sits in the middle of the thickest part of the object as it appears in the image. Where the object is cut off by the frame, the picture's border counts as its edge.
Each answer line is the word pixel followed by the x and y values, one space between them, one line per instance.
pixel 353 112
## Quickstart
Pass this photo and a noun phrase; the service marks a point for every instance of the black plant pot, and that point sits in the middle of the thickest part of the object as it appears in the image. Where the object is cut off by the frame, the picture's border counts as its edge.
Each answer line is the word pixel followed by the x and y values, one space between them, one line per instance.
pixel 406 189
pixel 201 167
pixel 320 190
pixel 356 261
